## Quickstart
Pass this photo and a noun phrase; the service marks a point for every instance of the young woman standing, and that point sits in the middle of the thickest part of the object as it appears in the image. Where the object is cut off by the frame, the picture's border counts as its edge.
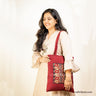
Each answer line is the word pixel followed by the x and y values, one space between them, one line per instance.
pixel 50 25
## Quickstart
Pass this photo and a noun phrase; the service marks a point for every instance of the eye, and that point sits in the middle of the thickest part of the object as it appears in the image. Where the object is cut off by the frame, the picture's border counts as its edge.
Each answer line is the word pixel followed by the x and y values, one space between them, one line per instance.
pixel 44 19
pixel 49 18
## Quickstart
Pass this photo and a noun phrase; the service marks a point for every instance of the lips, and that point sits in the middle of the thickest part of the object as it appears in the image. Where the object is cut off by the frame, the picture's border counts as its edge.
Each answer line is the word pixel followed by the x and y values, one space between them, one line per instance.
pixel 46 24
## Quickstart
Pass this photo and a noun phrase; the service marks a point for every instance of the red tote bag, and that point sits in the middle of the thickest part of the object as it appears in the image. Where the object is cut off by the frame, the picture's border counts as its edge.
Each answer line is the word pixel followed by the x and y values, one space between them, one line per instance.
pixel 56 75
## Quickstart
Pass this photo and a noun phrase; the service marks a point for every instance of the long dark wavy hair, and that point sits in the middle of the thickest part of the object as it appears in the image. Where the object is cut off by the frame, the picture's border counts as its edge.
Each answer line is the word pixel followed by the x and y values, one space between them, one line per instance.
pixel 42 32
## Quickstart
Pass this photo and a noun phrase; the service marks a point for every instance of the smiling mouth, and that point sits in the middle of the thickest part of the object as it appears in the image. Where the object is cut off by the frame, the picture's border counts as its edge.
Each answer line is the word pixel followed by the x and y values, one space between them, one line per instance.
pixel 46 24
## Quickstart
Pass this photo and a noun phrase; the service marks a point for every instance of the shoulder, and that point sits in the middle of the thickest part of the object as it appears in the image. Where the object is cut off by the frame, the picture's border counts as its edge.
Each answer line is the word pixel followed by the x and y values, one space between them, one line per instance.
pixel 64 35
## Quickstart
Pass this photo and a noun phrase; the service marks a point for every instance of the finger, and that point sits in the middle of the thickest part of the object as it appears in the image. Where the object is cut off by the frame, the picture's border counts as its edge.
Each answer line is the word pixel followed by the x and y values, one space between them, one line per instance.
pixel 47 60
pixel 67 84
pixel 67 88
pixel 46 56
pixel 71 85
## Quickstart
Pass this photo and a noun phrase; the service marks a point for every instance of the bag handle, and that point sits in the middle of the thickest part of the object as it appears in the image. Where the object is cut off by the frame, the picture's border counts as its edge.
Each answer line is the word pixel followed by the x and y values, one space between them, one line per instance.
pixel 56 43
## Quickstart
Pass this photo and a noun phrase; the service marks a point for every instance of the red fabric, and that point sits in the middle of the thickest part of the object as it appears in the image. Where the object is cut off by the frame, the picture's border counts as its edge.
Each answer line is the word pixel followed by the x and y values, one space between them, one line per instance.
pixel 51 85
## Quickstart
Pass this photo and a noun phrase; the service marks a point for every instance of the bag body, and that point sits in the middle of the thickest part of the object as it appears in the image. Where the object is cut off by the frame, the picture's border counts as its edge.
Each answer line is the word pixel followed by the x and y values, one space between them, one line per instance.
pixel 56 74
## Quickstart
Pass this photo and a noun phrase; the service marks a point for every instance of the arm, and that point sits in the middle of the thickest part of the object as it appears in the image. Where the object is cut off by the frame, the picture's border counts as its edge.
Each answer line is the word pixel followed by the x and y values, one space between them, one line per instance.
pixel 67 53
pixel 36 59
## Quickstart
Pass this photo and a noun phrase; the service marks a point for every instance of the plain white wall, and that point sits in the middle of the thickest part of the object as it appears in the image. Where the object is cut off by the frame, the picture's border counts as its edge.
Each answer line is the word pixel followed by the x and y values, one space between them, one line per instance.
pixel 18 26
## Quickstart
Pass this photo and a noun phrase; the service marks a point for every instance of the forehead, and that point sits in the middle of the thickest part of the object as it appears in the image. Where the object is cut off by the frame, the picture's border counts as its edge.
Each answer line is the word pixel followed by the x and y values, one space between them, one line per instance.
pixel 47 15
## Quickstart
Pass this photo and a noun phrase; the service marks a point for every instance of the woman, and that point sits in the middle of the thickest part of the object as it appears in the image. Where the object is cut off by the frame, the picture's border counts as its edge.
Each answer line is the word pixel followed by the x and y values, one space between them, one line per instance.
pixel 50 25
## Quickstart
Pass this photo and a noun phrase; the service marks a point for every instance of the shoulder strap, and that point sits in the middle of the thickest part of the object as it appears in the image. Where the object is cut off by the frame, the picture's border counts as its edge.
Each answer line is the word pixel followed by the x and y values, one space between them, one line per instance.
pixel 56 43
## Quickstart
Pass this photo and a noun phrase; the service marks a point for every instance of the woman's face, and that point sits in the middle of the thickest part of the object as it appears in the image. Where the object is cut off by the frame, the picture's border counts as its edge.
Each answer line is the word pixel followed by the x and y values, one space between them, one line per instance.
pixel 48 21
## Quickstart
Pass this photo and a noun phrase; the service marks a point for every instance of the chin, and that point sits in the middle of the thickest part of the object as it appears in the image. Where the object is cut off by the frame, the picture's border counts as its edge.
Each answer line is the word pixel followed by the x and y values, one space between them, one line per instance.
pixel 47 27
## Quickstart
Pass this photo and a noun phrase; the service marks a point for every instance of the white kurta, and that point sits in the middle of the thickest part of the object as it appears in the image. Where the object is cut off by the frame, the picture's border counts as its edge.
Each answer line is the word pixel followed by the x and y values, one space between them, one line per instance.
pixel 64 48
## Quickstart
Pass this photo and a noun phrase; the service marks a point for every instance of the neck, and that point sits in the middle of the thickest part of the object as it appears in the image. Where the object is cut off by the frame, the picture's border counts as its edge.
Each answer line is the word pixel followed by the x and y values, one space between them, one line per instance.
pixel 51 31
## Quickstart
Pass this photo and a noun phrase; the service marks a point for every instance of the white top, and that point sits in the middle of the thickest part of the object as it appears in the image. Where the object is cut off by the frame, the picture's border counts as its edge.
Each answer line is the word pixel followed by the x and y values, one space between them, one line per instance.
pixel 64 48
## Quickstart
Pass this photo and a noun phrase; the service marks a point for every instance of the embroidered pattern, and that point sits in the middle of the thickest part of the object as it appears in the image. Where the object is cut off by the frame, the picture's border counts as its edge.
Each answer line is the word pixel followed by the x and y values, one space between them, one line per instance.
pixel 58 73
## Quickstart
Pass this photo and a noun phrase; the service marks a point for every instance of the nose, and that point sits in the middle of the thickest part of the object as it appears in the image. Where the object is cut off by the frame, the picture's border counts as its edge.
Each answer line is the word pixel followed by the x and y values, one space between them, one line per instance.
pixel 45 21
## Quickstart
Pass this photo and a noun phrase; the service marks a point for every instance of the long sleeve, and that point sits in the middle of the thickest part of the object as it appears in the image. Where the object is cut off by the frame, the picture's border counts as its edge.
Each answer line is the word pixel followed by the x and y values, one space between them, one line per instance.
pixel 35 61
pixel 67 52
pixel 35 57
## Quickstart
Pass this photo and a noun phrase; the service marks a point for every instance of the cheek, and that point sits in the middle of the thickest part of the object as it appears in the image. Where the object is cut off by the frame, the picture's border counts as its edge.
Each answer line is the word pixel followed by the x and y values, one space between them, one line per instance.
pixel 54 23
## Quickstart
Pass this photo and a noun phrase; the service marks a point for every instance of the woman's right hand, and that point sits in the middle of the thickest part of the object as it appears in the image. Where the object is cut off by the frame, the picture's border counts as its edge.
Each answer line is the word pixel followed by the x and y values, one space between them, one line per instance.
pixel 68 80
pixel 44 59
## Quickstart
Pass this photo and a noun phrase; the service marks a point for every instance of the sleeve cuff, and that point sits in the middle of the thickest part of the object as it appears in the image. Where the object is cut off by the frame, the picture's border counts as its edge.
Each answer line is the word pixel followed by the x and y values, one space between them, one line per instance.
pixel 35 61
pixel 69 64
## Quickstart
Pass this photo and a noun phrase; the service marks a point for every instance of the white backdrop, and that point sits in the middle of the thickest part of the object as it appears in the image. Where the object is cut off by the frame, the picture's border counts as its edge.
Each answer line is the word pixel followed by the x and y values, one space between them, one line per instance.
pixel 18 26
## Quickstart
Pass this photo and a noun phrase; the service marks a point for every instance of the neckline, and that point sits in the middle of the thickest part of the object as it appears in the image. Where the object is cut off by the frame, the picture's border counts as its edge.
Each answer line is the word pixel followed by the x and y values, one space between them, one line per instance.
pixel 51 35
